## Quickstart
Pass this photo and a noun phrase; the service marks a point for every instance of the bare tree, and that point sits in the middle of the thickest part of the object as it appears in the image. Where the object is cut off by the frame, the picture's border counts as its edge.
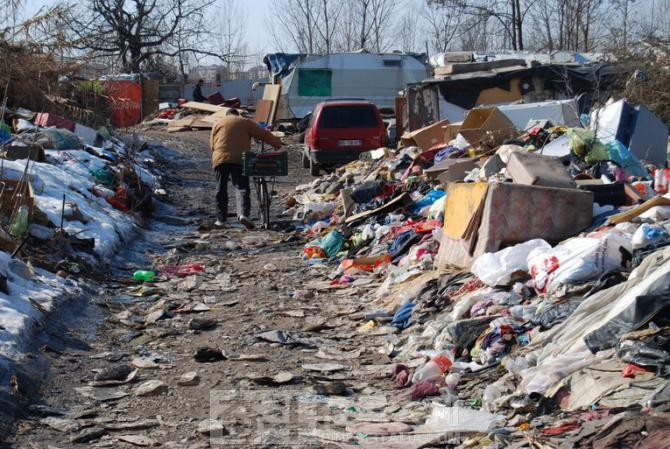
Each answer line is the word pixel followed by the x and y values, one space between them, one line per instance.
pixel 567 24
pixel 443 24
pixel 231 34
pixel 368 25
pixel 383 12
pixel 139 32
pixel 331 10
pixel 408 36
pixel 510 15
pixel 297 20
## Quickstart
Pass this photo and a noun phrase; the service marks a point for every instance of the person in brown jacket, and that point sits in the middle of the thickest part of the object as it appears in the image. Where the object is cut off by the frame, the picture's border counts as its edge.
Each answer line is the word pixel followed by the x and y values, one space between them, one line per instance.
pixel 231 136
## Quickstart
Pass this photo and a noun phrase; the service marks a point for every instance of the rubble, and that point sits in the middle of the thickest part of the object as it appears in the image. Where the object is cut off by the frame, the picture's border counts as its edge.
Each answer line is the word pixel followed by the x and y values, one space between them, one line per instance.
pixel 518 291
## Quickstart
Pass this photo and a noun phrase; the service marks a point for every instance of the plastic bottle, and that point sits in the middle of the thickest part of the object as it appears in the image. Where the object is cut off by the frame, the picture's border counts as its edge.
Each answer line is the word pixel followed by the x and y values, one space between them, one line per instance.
pixel 436 367
pixel 144 275
pixel 491 393
pixel 19 225
pixel 661 181
pixel 452 380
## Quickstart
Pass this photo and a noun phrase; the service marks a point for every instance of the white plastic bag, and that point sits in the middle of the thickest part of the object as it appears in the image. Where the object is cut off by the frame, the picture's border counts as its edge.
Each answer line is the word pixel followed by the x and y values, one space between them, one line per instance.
pixel 497 268
pixel 578 259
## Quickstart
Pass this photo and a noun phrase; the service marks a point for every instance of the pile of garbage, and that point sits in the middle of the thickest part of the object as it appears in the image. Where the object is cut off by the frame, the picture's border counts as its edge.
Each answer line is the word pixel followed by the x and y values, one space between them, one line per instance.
pixel 520 279
pixel 70 196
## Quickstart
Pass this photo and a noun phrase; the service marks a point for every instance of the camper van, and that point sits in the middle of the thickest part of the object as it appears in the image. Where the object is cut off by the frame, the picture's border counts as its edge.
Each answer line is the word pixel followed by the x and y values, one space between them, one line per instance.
pixel 308 80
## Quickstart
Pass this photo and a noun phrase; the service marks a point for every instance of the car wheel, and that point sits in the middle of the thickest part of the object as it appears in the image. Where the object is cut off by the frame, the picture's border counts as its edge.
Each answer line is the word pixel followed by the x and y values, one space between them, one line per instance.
pixel 305 159
pixel 313 167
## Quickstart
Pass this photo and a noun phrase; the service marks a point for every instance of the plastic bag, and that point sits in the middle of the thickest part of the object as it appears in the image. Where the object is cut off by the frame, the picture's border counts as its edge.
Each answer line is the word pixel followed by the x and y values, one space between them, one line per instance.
pixel 315 211
pixel 584 144
pixel 497 268
pixel 617 152
pixel 647 235
pixel 332 243
pixel 578 259
pixel 580 141
pixel 58 139
pixel 428 199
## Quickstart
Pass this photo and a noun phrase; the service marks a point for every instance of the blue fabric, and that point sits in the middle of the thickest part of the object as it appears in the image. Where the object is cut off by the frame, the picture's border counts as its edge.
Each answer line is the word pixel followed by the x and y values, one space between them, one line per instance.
pixel 403 317
pixel 445 153
pixel 428 199
pixel 282 64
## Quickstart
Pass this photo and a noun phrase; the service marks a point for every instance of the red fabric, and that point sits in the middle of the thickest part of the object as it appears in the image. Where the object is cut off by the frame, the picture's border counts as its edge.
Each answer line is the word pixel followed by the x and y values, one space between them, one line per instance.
pixel 183 270
pixel 125 99
pixel 47 119
pixel 557 430
pixel 401 375
pixel 120 200
pixel 420 227
pixel 168 113
pixel 426 388
pixel 632 370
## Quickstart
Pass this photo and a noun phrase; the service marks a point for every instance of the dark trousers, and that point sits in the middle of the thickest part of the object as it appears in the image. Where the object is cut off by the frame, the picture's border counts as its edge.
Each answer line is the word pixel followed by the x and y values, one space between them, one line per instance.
pixel 241 184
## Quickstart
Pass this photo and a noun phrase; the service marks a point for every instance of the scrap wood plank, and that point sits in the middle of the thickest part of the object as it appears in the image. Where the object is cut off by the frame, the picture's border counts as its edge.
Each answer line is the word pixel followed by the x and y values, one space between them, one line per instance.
pixel 272 92
pixel 400 201
pixel 201 123
pixel 263 111
pixel 467 67
pixel 203 106
pixel 181 124
pixel 638 210
pixel 215 117
pixel 186 121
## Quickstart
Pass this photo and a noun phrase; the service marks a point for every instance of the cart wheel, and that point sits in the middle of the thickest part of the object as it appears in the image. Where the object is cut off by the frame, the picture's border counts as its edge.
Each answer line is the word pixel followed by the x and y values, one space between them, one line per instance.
pixel 264 200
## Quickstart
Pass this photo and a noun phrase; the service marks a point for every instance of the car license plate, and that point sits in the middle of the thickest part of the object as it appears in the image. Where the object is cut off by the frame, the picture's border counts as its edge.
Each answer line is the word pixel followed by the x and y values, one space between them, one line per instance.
pixel 349 143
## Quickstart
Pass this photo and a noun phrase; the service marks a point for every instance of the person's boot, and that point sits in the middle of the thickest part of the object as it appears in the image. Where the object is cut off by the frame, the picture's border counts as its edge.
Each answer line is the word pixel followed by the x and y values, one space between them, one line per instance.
pixel 246 222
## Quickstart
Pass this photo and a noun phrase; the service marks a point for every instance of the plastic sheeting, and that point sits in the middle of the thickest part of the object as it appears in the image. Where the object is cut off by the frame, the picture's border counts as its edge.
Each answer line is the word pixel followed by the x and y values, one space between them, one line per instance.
pixel 562 350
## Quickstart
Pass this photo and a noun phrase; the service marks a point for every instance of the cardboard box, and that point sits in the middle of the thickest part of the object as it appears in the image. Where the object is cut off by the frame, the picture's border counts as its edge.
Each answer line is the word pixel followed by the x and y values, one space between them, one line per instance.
pixel 486 127
pixel 450 170
pixel 427 137
pixel 451 131
pixel 537 170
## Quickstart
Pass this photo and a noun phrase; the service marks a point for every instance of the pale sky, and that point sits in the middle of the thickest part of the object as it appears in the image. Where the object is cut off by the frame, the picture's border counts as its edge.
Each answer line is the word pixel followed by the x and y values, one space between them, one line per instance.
pixel 258 36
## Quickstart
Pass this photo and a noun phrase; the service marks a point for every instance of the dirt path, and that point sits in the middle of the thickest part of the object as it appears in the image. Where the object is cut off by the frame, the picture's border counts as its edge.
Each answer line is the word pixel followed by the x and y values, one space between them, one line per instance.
pixel 263 394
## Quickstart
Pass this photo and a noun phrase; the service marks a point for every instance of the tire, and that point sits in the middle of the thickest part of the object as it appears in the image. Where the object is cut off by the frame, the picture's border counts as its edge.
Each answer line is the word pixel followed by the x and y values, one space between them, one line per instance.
pixel 305 159
pixel 313 167
pixel 264 200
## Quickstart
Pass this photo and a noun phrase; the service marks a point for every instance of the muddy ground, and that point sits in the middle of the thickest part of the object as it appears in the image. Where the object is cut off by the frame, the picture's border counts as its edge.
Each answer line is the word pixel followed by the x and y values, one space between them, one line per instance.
pixel 260 393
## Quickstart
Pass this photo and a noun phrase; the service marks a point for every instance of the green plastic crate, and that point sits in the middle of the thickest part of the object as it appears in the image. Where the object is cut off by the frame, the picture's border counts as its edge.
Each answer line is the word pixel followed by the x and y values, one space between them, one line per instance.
pixel 265 164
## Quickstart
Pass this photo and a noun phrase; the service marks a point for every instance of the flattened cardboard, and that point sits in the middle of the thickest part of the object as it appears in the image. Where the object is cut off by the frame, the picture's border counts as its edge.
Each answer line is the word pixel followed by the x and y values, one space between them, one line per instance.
pixel 462 202
pixel 272 92
pixel 450 170
pixel 263 111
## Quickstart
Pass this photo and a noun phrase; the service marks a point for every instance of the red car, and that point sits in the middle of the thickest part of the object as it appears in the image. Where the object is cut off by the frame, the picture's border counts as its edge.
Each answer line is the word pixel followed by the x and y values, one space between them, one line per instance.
pixel 339 131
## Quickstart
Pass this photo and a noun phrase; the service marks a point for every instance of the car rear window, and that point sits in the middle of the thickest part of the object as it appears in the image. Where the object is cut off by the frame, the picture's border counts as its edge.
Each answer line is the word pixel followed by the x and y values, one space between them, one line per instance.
pixel 339 117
